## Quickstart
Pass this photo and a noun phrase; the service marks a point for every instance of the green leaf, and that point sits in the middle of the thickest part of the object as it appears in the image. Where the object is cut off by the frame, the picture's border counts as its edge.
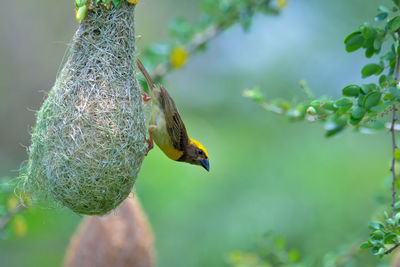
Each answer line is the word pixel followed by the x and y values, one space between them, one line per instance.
pixel 371 100
pixel 369 52
pixel 382 80
pixel 395 92
pixel 351 90
pixel 117 3
pixel 316 103
pixel 396 2
pixel 329 105
pixel 394 24
pixel 378 44
pixel 366 245
pixel 354 41
pixel 377 250
pixel 381 16
pixel 367 31
pixel 389 238
pixel 294 255
pixel 334 131
pixel 366 88
pixel 377 235
pixel 336 126
pixel 397 157
pixel 390 221
pixel 388 96
pixel 376 226
pixel 280 242
pixel 358 113
pixel 354 121
pixel 343 103
pixel 81 13
pixel 382 8
pixel 254 94
pixel 371 69
pixel 311 111
pixel 80 3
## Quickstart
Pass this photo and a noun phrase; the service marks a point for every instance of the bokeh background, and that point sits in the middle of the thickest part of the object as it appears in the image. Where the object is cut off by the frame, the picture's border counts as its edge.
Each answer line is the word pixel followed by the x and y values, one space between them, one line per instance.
pixel 266 174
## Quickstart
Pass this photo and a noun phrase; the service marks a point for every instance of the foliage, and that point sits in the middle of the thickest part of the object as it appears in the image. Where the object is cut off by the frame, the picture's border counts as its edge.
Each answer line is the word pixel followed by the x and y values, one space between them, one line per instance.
pixel 11 205
pixel 362 106
pixel 365 107
pixel 82 6
pixel 271 250
pixel 186 38
pixel 106 3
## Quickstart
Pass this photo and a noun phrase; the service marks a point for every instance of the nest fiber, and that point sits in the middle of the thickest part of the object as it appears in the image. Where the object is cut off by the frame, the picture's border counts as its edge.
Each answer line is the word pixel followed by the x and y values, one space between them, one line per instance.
pixel 89 140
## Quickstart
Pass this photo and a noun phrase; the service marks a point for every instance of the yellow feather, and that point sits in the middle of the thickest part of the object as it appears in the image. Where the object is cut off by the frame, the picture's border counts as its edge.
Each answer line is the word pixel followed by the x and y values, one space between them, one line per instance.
pixel 197 144
pixel 161 137
pixel 171 152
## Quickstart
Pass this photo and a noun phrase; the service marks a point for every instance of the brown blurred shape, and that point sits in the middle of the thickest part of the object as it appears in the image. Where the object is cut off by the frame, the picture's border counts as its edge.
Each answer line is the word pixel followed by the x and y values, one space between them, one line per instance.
pixel 120 239
pixel 395 260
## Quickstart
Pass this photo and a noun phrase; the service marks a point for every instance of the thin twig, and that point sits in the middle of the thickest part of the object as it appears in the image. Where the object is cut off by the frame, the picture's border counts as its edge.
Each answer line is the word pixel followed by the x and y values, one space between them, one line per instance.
pixel 201 39
pixel 390 250
pixel 198 40
pixel 396 127
pixel 392 168
pixel 394 146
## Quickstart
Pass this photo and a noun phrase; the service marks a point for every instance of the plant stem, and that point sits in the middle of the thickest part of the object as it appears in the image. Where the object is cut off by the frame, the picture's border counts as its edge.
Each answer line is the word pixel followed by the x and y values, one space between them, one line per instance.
pixel 393 132
pixel 198 40
pixel 392 168
pixel 390 250
pixel 203 38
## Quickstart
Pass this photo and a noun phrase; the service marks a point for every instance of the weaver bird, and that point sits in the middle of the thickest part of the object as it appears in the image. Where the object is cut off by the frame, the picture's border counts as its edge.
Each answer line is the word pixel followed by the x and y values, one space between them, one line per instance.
pixel 167 129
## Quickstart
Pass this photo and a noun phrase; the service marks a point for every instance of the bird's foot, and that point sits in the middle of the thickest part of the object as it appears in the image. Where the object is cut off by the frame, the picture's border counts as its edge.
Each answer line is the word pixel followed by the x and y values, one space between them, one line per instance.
pixel 150 145
pixel 149 141
pixel 146 98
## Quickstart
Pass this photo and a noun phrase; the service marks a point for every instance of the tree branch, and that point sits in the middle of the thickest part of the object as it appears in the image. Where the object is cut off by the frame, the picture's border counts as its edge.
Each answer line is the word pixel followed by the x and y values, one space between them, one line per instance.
pixel 198 40
pixel 203 38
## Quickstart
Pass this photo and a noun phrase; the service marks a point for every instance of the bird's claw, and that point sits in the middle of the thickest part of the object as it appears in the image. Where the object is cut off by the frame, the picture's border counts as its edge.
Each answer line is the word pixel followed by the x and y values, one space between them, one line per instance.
pixel 146 98
pixel 150 143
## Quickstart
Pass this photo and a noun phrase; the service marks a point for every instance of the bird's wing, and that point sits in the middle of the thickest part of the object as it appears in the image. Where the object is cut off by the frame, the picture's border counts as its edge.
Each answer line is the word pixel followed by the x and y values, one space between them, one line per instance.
pixel 175 126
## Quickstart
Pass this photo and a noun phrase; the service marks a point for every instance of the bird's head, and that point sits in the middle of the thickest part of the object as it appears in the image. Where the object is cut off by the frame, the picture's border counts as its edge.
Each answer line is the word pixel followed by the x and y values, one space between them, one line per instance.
pixel 196 154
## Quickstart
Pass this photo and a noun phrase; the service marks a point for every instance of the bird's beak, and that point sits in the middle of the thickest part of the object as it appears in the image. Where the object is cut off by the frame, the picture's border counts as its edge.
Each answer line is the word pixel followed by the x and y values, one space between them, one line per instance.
pixel 205 163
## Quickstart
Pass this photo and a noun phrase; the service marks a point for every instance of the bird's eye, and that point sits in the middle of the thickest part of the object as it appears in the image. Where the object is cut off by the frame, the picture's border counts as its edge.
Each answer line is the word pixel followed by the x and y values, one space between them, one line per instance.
pixel 201 152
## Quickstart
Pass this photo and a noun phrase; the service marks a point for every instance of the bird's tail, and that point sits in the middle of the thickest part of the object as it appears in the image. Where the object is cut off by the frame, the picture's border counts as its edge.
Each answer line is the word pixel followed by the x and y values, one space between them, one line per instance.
pixel 146 75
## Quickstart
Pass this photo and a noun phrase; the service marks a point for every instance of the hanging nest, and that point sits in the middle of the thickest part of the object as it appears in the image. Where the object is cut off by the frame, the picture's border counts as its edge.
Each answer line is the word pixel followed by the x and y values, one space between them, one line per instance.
pixel 89 140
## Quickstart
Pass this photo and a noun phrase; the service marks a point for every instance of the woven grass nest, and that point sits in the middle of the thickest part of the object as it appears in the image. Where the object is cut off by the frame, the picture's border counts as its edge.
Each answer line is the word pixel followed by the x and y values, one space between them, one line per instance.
pixel 89 140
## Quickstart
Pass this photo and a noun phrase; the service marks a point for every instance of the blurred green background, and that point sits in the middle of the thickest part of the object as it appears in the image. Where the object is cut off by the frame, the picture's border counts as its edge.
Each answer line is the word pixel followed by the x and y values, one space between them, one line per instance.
pixel 266 174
